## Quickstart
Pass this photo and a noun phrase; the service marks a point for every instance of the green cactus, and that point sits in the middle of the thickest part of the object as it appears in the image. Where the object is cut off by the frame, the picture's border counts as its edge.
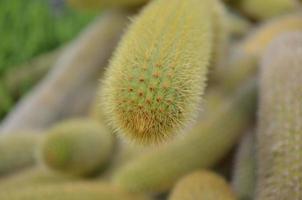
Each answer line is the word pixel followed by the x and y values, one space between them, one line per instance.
pixel 77 147
pixel 279 137
pixel 17 151
pixel 244 59
pixel 203 146
pixel 203 185
pixel 101 4
pixel 238 25
pixel 71 191
pixel 259 9
pixel 244 174
pixel 31 177
pixel 154 84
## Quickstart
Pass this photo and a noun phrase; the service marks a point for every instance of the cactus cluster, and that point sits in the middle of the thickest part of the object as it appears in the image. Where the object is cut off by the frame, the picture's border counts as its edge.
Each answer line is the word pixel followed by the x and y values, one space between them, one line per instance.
pixel 280 111
pixel 153 127
pixel 203 185
pixel 78 146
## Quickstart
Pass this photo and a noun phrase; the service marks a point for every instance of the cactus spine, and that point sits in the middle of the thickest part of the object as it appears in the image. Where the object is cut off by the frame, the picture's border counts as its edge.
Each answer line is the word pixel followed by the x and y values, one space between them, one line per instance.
pixel 280 130
pixel 203 146
pixel 244 175
pixel 153 86
pixel 17 151
pixel 74 191
pixel 78 147
pixel 203 185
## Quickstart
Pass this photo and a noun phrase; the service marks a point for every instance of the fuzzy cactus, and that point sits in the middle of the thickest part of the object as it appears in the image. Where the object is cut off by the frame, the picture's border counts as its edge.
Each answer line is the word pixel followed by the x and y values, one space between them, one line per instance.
pixel 101 4
pixel 244 58
pixel 17 151
pixel 78 147
pixel 203 185
pixel 32 177
pixel 244 174
pixel 259 9
pixel 153 86
pixel 203 146
pixel 280 130
pixel 71 191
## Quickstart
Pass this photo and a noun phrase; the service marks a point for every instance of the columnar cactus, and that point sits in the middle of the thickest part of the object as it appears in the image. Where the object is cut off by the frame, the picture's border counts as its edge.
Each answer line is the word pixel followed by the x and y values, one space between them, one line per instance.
pixel 203 146
pixel 154 84
pixel 78 147
pixel 244 175
pixel 259 9
pixel 17 151
pixel 280 130
pixel 71 191
pixel 203 185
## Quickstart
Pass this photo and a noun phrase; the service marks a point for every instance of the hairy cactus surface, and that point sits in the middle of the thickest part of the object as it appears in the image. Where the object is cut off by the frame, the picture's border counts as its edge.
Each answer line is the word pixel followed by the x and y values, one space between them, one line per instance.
pixel 202 185
pixel 78 146
pixel 203 146
pixel 154 84
pixel 280 129
pixel 17 151
pixel 259 9
pixel 244 175
pixel 101 4
pixel 71 191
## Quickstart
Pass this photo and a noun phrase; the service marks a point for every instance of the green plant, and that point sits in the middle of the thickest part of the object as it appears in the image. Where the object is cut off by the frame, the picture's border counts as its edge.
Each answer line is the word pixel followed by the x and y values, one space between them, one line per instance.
pixel 78 147
pixel 203 185
pixel 101 4
pixel 154 83
pixel 279 136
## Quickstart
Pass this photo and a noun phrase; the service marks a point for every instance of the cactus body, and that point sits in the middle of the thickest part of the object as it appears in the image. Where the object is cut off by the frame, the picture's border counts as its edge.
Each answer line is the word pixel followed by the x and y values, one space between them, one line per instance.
pixel 203 146
pixel 79 147
pixel 153 86
pixel 202 185
pixel 17 151
pixel 259 9
pixel 280 130
pixel 101 4
pixel 244 175
pixel 71 191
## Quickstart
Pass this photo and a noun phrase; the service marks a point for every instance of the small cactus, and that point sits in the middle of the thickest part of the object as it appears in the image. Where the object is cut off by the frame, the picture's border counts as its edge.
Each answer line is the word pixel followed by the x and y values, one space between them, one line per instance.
pixel 244 175
pixel 101 4
pixel 203 146
pixel 280 129
pixel 17 151
pixel 202 185
pixel 154 84
pixel 71 191
pixel 259 9
pixel 78 147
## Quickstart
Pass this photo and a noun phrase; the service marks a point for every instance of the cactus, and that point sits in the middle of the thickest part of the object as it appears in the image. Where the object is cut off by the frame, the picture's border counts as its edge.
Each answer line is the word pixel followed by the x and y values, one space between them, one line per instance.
pixel 33 177
pixel 153 86
pixel 79 147
pixel 203 146
pixel 238 25
pixel 101 4
pixel 203 185
pixel 259 9
pixel 244 175
pixel 279 135
pixel 17 151
pixel 244 59
pixel 72 191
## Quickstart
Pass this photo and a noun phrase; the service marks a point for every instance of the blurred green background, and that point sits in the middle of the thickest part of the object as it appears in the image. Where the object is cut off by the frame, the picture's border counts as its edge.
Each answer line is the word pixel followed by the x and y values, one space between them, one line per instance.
pixel 29 28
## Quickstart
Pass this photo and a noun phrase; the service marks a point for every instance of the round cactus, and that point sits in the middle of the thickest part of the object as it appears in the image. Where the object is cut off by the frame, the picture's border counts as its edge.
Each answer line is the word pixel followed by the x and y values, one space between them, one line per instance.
pixel 78 146
pixel 154 83
pixel 203 185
